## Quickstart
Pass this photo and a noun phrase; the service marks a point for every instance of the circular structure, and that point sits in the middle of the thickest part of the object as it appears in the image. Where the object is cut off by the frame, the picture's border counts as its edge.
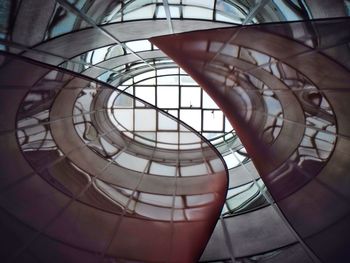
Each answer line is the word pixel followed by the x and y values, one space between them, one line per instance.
pixel 116 137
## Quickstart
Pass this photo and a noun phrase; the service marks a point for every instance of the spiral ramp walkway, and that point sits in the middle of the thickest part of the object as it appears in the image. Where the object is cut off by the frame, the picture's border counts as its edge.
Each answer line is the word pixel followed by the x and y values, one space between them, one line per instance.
pixel 116 137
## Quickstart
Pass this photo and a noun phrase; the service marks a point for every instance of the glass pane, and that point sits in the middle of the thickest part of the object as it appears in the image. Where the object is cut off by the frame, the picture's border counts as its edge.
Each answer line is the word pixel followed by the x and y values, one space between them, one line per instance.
pixel 189 137
pixel 166 123
pixel 115 51
pixel 187 80
pixel 231 161
pixel 168 80
pixel 149 76
pixel 141 13
pixel 213 120
pixel 197 12
pixel 190 97
pixel 145 93
pixel 131 162
pixel 167 71
pixel 99 54
pixel 168 137
pixel 123 101
pixel 208 102
pixel 174 113
pixel 145 120
pixel 287 12
pixel 192 118
pixel 194 170
pixel 230 50
pixel 161 169
pixel 174 11
pixel 147 138
pixel 123 117
pixel 161 12
pixel 229 10
pixel 168 96
pixel 228 18
pixel 207 3
pixel 228 126
pixel 139 45
pixel 156 199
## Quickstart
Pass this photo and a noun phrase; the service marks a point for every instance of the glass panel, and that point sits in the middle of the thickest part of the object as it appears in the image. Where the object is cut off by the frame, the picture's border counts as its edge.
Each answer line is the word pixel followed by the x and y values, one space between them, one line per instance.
pixel 231 161
pixel 168 80
pixel 149 76
pixel 192 118
pixel 147 138
pixel 123 101
pixel 174 113
pixel 166 123
pixel 168 137
pixel 161 169
pixel 190 97
pixel 167 71
pixel 63 23
pixel 207 3
pixel 99 54
pixel 145 120
pixel 164 200
pixel 228 126
pixel 202 199
pixel 228 12
pixel 145 93
pixel 213 120
pixel 230 50
pixel 139 45
pixel 189 137
pixel 212 135
pixel 197 12
pixel 123 117
pixel 208 102
pixel 115 51
pixel 108 147
pixel 168 96
pixel 287 12
pixel 194 170
pixel 174 11
pixel 161 12
pixel 227 18
pixel 131 162
pixel 141 13
pixel 187 80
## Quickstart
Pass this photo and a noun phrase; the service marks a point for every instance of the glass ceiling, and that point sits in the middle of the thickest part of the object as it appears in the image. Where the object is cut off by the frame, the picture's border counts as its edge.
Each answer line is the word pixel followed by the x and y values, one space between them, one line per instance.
pixel 168 88
pixel 155 79
pixel 172 90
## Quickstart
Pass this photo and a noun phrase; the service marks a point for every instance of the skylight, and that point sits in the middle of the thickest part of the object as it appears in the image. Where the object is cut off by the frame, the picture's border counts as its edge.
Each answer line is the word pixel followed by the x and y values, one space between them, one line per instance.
pixel 173 91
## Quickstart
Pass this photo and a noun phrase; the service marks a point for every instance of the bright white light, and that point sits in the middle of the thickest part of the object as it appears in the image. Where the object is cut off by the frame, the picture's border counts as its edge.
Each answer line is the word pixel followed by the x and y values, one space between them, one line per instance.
pixel 139 45
pixel 168 96
pixel 213 120
pixel 192 117
pixel 146 94
pixel 208 102
pixel 190 97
